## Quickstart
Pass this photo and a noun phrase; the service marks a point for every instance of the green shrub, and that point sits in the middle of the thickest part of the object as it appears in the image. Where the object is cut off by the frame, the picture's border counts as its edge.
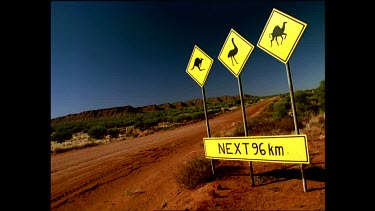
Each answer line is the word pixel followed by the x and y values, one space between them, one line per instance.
pixel 195 173
pixel 148 123
pixel 61 136
pixel 76 129
pixel 113 132
pixel 320 95
pixel 138 124
pixel 97 132
pixel 280 109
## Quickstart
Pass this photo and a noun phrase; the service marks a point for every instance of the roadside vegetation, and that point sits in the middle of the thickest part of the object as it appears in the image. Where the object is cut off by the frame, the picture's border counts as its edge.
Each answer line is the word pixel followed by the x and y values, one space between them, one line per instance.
pixel 276 120
pixel 87 133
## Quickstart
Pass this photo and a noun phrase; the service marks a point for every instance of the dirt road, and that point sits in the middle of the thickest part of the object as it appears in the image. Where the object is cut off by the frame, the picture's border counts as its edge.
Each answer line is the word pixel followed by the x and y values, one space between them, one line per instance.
pixel 137 174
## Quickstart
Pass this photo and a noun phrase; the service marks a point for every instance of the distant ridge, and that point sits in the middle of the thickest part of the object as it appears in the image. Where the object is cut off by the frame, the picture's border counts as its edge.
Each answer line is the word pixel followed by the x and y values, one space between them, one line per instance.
pixel 94 114
pixel 181 105
pixel 150 108
pixel 126 110
pixel 167 106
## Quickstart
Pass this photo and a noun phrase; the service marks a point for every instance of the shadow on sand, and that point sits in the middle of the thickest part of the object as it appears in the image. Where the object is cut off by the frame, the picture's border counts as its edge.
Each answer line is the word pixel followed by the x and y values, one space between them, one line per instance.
pixel 265 178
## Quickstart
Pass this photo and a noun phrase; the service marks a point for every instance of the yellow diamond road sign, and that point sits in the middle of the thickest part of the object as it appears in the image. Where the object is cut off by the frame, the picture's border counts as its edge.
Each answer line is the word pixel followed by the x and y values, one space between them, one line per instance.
pixel 235 52
pixel 199 65
pixel 281 35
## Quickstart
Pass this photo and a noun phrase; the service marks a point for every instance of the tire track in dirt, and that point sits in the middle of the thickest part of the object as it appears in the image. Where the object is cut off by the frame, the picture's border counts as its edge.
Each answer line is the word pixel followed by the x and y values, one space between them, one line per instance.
pixel 113 171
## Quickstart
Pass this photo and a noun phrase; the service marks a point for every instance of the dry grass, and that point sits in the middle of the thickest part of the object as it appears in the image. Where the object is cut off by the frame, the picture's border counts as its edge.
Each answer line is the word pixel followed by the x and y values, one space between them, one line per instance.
pixel 133 192
pixel 197 171
pixel 314 128
pixel 82 140
pixel 194 173
pixel 79 141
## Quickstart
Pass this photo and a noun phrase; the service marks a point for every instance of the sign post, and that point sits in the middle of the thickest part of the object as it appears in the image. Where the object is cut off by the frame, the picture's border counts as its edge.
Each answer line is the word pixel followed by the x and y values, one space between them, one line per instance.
pixel 295 119
pixel 198 68
pixel 234 54
pixel 280 26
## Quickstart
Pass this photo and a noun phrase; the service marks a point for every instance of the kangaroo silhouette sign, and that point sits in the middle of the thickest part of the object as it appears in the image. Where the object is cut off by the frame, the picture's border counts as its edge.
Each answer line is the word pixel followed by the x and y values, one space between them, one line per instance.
pixel 199 65
pixel 235 52
pixel 281 35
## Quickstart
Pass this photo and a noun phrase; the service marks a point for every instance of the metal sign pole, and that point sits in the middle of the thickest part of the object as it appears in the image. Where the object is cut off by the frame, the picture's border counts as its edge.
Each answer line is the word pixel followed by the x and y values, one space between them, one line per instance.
pixel 295 118
pixel 207 125
pixel 245 128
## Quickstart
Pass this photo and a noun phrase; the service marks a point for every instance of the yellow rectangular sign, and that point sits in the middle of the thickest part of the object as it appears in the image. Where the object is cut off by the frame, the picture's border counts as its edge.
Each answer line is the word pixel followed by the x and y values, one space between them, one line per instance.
pixel 281 35
pixel 279 149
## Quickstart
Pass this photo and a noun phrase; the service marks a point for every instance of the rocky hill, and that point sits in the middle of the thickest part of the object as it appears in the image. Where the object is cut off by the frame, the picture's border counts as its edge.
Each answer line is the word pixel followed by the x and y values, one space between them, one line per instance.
pixel 125 110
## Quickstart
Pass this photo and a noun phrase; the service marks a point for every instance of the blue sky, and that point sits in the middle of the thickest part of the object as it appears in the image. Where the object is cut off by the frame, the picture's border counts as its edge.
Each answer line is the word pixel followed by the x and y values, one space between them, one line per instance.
pixel 109 54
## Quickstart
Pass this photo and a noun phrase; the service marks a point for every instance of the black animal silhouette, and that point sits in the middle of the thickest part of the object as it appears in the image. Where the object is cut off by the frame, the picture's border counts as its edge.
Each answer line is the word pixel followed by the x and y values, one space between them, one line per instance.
pixel 197 63
pixel 233 52
pixel 278 32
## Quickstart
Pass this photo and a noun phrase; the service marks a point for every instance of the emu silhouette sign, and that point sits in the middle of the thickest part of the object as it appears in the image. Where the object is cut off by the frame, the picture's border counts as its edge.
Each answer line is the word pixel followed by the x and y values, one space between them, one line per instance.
pixel 281 35
pixel 235 52
pixel 199 65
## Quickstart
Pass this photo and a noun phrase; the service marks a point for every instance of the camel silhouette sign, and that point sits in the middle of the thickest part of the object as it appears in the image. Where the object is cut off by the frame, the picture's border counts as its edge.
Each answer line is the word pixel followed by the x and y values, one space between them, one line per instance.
pixel 199 65
pixel 281 35
pixel 235 52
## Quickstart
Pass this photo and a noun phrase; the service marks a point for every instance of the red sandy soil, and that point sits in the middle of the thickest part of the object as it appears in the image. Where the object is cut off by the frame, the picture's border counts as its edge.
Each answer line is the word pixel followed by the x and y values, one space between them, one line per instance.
pixel 138 174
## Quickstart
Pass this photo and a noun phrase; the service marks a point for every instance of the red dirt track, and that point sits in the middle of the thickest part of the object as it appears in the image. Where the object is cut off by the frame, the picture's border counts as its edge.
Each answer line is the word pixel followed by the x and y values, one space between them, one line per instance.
pixel 138 174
